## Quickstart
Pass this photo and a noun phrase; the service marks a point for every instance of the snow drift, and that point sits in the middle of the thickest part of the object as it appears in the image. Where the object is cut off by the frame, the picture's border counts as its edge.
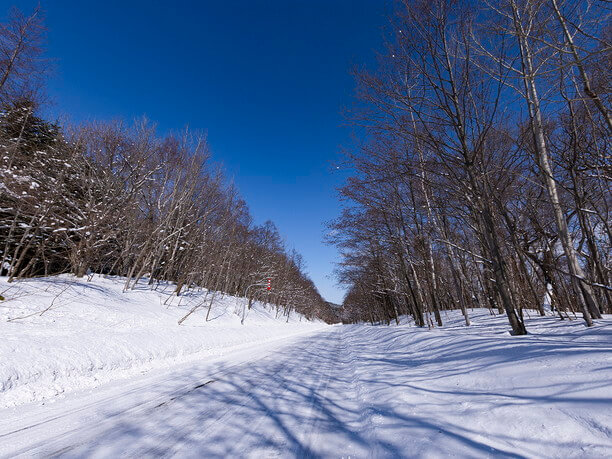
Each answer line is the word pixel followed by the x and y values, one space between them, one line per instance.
pixel 63 333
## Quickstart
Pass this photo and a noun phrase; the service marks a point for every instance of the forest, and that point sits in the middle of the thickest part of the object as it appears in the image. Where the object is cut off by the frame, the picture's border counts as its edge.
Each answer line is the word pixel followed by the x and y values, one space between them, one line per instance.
pixel 456 181
pixel 117 198
pixel 484 179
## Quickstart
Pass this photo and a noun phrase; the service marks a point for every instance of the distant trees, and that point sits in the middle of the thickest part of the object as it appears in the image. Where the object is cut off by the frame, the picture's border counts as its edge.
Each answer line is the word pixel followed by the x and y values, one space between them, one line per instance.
pixel 116 199
pixel 485 181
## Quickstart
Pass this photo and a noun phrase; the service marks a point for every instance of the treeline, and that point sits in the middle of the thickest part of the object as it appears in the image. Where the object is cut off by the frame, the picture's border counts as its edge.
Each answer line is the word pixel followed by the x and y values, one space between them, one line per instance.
pixel 120 200
pixel 485 179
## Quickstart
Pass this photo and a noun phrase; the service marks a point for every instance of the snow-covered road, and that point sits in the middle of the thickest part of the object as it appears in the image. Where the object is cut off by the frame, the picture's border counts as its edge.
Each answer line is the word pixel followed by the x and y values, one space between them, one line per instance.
pixel 345 391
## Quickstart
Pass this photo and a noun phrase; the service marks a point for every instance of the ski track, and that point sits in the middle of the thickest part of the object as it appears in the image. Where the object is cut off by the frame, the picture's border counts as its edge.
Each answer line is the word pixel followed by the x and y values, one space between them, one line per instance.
pixel 347 391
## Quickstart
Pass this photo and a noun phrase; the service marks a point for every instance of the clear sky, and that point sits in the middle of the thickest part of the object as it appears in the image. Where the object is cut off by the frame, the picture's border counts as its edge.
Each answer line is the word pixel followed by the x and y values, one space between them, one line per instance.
pixel 267 80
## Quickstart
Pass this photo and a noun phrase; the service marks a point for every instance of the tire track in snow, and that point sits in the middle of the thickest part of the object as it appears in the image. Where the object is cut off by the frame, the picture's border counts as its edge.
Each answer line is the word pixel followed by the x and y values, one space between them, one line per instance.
pixel 212 426
pixel 302 448
pixel 92 428
pixel 364 422
pixel 310 432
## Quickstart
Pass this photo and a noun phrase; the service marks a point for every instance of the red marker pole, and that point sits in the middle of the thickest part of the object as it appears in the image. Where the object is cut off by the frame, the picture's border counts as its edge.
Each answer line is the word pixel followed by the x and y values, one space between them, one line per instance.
pixel 269 284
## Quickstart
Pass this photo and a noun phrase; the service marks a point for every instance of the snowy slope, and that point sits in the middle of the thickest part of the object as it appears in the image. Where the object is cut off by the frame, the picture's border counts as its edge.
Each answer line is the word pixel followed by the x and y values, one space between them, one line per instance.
pixel 93 332
pixel 351 391
pixel 477 391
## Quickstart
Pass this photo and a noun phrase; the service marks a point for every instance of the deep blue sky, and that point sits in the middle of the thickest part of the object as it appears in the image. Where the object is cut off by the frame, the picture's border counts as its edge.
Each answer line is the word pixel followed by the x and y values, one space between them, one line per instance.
pixel 266 80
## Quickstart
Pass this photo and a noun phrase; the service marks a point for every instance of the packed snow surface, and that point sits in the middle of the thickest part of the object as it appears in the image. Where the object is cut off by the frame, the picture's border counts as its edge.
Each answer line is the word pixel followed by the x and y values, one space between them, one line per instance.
pixel 62 333
pixel 350 391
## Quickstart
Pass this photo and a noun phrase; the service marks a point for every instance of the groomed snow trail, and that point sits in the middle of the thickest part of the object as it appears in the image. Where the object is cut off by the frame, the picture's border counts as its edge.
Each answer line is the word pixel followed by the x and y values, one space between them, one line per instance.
pixel 349 391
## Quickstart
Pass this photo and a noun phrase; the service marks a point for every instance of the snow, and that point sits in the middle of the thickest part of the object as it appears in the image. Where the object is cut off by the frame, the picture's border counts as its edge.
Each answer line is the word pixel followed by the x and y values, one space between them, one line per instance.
pixel 93 332
pixel 349 391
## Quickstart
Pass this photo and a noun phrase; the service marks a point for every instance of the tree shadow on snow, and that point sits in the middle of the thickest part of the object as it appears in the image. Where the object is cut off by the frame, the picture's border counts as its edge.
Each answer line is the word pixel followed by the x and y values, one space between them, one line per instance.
pixel 308 400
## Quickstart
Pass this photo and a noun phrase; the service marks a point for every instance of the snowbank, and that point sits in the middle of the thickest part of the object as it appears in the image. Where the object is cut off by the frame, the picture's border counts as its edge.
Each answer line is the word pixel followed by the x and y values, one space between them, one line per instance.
pixel 91 332
pixel 479 392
